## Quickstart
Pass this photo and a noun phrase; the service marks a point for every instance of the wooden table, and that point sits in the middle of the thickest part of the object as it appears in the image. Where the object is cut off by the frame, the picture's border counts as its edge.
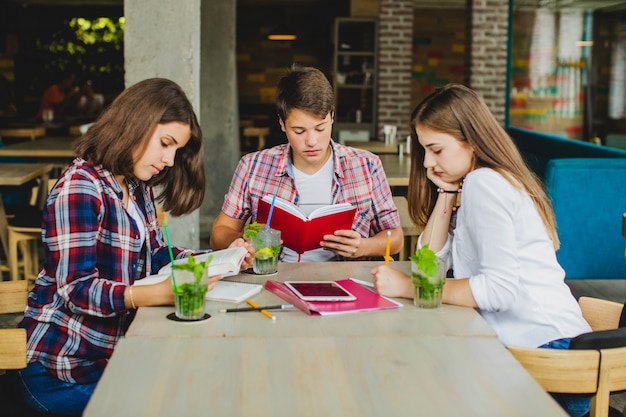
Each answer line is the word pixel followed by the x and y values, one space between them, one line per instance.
pixel 317 376
pixel 376 147
pixel 397 169
pixel 55 149
pixel 408 320
pixel 16 174
pixel 400 362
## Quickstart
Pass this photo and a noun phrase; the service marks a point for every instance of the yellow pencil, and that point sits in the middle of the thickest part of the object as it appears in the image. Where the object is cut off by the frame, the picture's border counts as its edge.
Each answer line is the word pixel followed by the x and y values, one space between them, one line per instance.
pixel 264 312
pixel 388 248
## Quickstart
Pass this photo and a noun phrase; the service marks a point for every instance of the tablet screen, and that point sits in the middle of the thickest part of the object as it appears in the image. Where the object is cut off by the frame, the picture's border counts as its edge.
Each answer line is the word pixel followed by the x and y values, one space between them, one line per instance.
pixel 320 291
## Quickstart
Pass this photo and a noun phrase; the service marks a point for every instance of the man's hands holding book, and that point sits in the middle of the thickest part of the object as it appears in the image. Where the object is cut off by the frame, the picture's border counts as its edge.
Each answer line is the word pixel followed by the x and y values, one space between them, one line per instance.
pixel 346 243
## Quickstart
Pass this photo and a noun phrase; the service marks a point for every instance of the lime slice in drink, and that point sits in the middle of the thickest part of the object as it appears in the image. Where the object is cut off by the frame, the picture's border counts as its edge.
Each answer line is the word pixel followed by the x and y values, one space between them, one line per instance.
pixel 264 253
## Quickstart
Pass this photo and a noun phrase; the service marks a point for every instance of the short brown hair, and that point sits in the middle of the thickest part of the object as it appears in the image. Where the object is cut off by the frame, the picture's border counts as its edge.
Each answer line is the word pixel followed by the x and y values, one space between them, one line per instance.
pixel 128 123
pixel 306 89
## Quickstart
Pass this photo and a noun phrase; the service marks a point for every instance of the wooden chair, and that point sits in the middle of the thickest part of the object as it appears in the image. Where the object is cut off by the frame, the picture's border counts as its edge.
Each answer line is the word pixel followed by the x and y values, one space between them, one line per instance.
pixel 13 295
pixel 23 132
pixel 161 215
pixel 25 238
pixel 597 372
pixel 13 341
pixel 409 229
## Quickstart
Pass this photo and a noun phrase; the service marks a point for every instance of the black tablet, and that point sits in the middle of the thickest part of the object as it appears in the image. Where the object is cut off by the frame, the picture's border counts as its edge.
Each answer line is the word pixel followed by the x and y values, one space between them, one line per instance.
pixel 319 291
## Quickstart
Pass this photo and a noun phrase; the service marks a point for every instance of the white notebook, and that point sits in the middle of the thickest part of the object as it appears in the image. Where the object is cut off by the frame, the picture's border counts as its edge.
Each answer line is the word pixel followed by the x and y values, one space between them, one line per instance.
pixel 225 262
pixel 234 292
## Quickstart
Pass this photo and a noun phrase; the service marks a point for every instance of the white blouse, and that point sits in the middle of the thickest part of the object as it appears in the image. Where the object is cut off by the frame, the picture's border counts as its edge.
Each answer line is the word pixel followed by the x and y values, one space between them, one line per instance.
pixel 502 245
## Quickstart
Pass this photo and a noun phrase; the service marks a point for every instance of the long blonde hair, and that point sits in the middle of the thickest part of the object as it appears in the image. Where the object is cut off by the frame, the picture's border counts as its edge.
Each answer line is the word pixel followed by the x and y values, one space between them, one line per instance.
pixel 460 112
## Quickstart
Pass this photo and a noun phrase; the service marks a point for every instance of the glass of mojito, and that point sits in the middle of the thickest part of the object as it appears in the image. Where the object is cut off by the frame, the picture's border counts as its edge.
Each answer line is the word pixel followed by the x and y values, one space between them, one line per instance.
pixel 266 243
pixel 428 273
pixel 192 282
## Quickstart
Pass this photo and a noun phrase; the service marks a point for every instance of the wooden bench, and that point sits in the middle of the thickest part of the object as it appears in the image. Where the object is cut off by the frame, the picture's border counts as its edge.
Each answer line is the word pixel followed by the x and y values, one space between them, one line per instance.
pixel 410 230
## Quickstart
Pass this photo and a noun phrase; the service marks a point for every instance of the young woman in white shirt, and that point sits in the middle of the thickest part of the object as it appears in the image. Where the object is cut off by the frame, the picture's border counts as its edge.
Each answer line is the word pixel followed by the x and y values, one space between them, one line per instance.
pixel 499 238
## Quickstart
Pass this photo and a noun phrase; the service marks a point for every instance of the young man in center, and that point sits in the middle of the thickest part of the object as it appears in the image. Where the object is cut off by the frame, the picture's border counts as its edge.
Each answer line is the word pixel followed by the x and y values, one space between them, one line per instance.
pixel 311 171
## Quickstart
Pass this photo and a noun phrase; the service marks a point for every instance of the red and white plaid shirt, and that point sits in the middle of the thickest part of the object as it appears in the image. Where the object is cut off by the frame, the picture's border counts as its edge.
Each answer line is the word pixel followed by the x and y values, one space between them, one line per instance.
pixel 358 179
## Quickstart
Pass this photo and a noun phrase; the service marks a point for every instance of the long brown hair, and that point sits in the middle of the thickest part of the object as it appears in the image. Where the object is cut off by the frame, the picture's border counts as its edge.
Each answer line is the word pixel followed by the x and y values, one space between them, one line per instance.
pixel 129 122
pixel 460 112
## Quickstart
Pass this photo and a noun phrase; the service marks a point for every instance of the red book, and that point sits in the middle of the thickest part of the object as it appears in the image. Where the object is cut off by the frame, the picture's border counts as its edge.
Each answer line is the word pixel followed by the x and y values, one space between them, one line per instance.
pixel 299 232
pixel 366 299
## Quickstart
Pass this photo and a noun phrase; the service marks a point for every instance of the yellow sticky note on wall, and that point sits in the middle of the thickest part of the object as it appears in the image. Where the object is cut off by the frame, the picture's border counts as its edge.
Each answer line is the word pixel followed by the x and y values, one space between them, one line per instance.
pixel 433 62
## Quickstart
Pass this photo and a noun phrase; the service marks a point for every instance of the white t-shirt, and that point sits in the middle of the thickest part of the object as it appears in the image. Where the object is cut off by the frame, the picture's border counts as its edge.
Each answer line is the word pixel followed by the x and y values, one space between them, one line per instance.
pixel 313 191
pixel 501 244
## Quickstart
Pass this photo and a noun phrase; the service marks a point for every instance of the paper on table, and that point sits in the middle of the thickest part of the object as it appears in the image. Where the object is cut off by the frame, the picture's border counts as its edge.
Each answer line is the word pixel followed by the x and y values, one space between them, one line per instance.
pixel 226 262
pixel 234 292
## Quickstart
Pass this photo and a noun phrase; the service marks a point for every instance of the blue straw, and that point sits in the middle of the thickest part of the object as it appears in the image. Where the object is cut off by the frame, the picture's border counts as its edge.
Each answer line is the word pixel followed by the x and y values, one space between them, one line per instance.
pixel 269 216
pixel 169 248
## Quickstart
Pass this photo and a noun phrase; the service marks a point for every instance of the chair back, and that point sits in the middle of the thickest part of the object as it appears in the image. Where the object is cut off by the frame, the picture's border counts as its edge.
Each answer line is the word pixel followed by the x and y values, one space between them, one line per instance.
pixel 13 341
pixel 561 371
pixel 13 296
pixel 161 215
pixel 595 371
pixel 600 314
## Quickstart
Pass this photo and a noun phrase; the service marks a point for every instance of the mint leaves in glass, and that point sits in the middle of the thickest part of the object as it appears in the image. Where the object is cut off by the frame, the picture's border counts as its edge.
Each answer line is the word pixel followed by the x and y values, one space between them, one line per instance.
pixel 192 282
pixel 428 273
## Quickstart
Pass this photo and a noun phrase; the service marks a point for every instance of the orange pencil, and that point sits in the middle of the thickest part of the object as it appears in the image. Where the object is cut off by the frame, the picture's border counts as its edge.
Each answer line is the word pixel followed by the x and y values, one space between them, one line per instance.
pixel 388 248
pixel 264 312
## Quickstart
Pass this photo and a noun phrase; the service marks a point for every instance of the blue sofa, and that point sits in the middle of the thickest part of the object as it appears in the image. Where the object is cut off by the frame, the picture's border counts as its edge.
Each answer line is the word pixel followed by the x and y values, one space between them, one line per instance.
pixel 587 186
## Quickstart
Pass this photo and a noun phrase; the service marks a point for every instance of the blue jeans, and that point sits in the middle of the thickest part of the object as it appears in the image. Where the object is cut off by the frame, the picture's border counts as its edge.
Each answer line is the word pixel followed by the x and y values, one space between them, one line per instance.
pixel 576 405
pixel 43 392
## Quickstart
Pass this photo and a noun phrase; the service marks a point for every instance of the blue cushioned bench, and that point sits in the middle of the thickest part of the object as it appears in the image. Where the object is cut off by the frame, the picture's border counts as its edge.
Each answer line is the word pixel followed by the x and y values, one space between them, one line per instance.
pixel 587 186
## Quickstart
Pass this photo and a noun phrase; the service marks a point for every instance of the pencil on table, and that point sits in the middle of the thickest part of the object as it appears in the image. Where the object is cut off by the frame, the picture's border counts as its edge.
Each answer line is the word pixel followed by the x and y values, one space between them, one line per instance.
pixel 388 248
pixel 264 312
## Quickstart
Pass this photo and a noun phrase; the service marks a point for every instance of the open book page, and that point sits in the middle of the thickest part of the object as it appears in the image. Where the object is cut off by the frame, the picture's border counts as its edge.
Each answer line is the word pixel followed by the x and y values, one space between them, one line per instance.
pixel 225 262
pixel 234 292
pixel 300 233
pixel 297 211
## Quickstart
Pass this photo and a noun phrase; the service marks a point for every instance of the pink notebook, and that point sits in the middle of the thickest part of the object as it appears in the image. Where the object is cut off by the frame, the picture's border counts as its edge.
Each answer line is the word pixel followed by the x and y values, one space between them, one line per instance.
pixel 366 300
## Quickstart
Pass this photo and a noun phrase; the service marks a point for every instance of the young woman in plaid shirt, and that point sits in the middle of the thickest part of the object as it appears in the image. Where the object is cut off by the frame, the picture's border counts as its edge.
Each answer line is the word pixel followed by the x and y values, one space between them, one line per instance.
pixel 101 234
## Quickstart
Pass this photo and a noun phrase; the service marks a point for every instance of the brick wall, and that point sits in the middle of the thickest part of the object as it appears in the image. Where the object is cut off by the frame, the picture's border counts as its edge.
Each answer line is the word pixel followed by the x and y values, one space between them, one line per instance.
pixel 489 37
pixel 395 35
pixel 486 46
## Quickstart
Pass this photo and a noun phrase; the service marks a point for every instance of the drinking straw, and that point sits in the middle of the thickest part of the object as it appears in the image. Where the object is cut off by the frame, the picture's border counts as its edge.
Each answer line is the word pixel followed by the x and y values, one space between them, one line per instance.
pixel 269 216
pixel 169 249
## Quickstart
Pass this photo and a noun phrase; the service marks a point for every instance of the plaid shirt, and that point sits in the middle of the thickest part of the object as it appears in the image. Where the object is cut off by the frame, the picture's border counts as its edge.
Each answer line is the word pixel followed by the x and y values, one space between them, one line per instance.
pixel 359 179
pixel 76 313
